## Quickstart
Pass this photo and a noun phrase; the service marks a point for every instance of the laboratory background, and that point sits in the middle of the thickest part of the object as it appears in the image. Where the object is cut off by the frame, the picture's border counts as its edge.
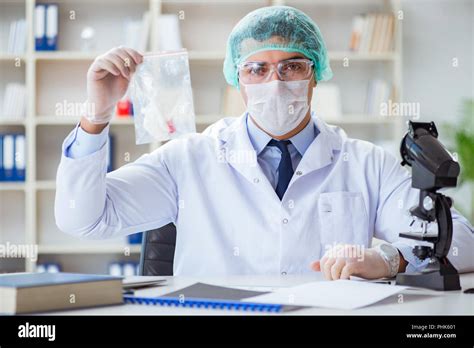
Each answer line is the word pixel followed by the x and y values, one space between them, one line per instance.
pixel 413 56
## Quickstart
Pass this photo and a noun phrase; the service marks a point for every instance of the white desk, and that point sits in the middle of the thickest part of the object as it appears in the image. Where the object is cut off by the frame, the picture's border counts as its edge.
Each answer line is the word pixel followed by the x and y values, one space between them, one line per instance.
pixel 446 303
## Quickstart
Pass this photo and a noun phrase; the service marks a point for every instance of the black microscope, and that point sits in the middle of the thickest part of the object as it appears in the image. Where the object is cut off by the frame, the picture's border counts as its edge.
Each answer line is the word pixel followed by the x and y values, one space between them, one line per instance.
pixel 433 168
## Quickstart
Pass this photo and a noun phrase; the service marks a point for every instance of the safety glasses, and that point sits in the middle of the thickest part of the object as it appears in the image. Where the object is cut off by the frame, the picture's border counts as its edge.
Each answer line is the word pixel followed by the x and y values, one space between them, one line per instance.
pixel 287 70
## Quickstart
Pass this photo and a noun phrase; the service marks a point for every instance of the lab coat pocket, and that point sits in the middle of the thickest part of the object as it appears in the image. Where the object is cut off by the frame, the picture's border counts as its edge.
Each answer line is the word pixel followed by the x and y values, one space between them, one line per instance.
pixel 342 219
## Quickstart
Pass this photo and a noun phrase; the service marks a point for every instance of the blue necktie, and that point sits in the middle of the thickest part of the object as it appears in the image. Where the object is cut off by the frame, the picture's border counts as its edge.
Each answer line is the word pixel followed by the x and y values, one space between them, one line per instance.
pixel 285 168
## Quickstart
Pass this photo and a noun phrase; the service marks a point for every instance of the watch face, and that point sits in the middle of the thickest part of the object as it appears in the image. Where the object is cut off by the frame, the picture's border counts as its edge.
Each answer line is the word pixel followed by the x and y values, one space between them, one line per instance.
pixel 389 250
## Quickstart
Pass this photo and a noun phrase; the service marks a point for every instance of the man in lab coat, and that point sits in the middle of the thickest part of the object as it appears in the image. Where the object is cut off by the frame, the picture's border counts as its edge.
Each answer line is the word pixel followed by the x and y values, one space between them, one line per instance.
pixel 274 191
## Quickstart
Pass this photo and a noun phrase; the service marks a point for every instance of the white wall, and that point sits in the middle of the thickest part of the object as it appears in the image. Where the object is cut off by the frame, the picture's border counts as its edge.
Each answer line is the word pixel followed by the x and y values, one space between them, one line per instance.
pixel 435 32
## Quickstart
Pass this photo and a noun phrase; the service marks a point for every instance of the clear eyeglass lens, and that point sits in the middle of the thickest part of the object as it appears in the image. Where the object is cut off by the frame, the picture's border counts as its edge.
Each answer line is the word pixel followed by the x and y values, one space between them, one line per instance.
pixel 290 70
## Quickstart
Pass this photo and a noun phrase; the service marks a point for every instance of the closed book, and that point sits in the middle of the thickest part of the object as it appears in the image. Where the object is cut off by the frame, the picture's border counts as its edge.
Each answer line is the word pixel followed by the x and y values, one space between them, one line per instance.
pixel 370 33
pixel 357 28
pixel 375 33
pixel 365 34
pixel 40 292
pixel 388 44
pixel 378 47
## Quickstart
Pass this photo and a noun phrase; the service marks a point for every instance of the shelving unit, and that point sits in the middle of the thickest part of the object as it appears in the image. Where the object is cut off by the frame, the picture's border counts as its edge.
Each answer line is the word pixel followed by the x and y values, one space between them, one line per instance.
pixel 26 209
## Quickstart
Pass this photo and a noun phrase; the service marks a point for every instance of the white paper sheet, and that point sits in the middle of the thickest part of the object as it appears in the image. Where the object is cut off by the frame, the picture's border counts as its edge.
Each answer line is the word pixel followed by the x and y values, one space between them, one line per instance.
pixel 339 294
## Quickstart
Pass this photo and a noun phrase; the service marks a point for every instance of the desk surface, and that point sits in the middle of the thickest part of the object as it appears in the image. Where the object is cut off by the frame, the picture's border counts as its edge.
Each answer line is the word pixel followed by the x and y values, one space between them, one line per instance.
pixel 445 303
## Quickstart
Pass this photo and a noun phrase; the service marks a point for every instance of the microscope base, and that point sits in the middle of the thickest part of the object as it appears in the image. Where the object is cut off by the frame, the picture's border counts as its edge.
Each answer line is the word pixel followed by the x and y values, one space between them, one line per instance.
pixel 445 278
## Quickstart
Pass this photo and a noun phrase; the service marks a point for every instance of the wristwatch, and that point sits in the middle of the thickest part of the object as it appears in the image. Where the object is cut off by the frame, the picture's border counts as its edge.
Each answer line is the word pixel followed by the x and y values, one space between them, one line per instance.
pixel 391 257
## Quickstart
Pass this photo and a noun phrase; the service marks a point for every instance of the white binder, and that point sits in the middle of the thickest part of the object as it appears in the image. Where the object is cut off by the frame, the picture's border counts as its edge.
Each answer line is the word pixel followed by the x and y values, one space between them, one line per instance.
pixel 8 156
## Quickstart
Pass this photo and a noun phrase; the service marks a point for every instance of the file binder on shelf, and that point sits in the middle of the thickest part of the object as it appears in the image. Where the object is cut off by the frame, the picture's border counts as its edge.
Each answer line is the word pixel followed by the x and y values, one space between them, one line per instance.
pixel 12 157
pixel 40 27
pixel 125 269
pixel 52 27
pixel 8 157
pixel 19 167
pixel 46 27
pixel 135 238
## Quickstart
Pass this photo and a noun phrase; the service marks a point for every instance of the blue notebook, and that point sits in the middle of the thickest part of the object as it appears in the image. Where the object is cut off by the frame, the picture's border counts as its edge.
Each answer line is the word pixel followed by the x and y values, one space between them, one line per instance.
pixel 208 296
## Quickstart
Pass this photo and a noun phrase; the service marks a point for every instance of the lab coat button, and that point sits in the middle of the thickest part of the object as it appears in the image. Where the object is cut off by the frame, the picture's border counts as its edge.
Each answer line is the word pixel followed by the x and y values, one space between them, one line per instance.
pixel 256 180
pixel 283 273
pixel 299 172
pixel 285 221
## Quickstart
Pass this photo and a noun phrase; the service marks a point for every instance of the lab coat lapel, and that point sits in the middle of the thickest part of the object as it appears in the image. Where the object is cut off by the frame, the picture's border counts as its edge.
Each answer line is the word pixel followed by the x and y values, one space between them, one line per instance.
pixel 237 150
pixel 321 151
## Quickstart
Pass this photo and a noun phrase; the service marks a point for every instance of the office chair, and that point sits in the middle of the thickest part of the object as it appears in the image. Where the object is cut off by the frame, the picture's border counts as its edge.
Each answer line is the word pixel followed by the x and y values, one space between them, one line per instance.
pixel 157 254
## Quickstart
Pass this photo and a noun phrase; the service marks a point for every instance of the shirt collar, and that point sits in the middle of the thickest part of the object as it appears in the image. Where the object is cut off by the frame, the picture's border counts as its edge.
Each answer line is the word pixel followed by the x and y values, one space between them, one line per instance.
pixel 300 141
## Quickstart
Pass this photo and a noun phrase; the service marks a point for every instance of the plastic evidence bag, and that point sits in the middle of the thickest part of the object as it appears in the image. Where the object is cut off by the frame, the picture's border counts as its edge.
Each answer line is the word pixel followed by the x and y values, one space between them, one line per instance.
pixel 162 97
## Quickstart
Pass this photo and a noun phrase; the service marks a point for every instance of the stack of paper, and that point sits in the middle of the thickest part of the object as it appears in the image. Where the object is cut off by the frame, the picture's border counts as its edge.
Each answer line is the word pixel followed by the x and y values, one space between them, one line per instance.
pixel 14 101
pixel 339 294
pixel 17 37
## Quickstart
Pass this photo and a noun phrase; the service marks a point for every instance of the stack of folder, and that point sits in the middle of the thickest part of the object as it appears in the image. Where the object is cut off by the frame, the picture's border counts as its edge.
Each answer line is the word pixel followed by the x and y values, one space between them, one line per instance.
pixel 12 157
pixel 46 27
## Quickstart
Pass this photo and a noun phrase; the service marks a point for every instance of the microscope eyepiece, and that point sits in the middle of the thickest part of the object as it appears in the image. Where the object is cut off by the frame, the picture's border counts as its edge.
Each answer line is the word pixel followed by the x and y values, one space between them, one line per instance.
pixel 433 167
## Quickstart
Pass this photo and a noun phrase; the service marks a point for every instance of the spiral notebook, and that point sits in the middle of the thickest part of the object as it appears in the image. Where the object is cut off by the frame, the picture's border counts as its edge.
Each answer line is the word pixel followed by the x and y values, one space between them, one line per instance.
pixel 209 296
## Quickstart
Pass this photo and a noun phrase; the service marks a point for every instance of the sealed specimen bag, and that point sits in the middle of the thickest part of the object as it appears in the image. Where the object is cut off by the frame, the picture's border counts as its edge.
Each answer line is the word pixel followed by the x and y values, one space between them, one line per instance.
pixel 162 97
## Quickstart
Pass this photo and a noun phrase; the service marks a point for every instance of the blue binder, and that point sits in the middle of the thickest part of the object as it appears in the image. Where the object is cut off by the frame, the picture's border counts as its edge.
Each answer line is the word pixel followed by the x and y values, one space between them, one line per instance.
pixel 208 296
pixel 20 157
pixel 8 157
pixel 205 304
pixel 40 27
pixel 46 27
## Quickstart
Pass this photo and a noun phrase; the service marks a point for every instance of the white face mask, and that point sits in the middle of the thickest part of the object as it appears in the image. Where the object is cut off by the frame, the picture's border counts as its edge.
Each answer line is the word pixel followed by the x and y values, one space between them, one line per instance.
pixel 277 106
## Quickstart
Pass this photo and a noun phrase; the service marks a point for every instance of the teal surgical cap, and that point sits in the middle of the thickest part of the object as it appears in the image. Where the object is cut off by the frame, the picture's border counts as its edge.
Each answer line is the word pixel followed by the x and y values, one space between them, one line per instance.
pixel 280 28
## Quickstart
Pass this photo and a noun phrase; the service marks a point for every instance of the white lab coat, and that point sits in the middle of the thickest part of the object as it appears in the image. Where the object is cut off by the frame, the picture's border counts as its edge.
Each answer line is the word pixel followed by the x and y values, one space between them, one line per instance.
pixel 229 219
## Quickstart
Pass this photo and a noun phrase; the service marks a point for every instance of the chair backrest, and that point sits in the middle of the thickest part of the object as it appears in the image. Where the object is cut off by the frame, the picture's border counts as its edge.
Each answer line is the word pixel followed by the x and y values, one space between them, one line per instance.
pixel 157 252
